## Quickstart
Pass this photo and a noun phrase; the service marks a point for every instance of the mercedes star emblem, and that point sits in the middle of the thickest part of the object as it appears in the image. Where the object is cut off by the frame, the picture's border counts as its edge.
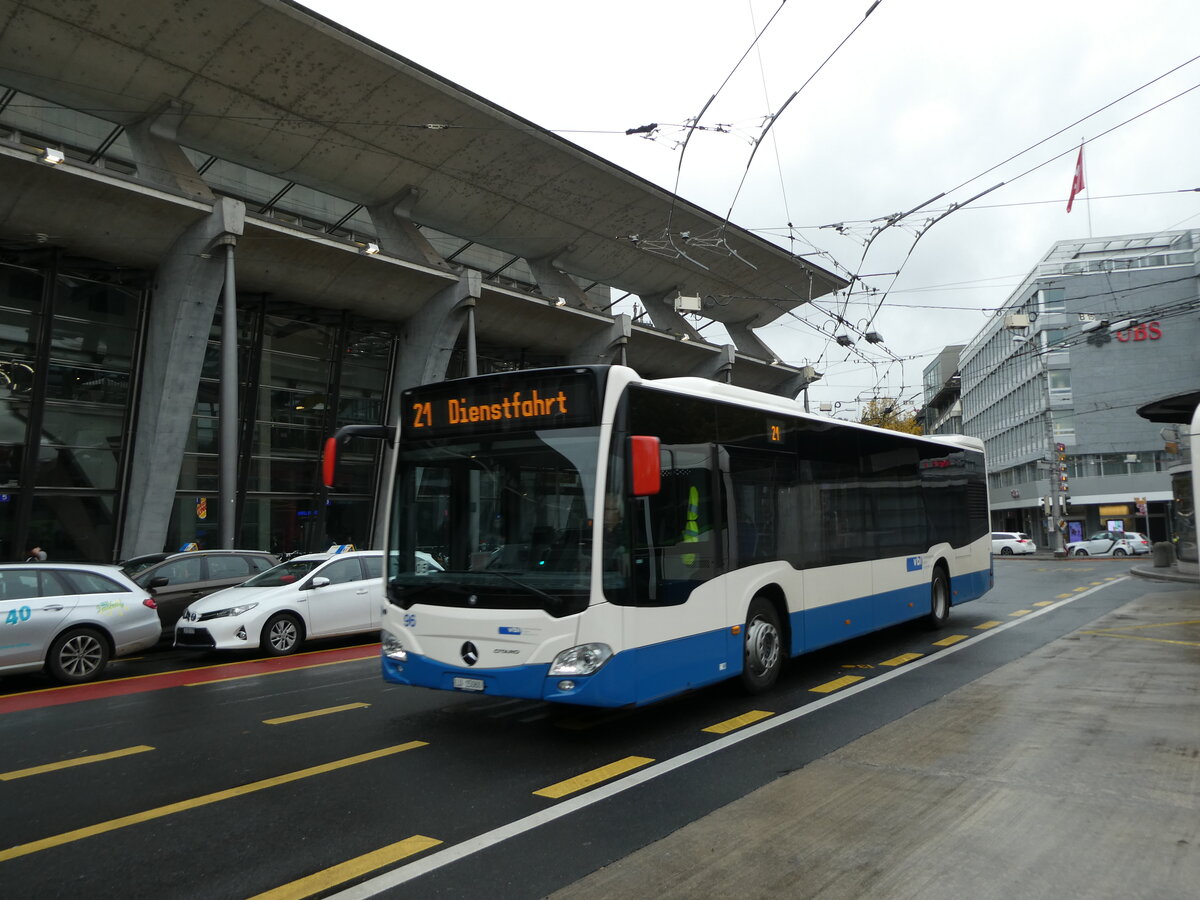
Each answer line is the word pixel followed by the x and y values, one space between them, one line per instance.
pixel 469 654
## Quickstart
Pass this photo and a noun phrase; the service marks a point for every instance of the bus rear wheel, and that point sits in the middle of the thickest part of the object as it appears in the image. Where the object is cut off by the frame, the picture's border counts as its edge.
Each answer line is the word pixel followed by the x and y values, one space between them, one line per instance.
pixel 939 599
pixel 763 655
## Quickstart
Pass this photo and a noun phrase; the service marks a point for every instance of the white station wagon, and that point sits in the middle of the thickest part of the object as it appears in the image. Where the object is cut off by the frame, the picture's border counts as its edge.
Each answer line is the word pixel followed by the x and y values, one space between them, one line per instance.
pixel 71 619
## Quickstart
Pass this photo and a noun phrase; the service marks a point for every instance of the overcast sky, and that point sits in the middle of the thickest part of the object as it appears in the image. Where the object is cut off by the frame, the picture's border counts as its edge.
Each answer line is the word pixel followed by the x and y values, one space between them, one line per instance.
pixel 923 98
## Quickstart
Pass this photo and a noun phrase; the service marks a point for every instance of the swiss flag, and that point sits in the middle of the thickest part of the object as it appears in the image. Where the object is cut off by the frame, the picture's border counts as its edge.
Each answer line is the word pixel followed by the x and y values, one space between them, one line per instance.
pixel 1077 184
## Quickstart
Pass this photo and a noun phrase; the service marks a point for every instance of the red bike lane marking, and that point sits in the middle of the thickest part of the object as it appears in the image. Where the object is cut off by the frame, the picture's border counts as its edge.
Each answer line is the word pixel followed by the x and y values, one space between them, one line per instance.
pixel 137 684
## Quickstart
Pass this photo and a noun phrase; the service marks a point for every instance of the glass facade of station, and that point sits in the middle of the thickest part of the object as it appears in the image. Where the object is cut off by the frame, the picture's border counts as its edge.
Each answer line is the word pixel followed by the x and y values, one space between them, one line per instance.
pixel 69 357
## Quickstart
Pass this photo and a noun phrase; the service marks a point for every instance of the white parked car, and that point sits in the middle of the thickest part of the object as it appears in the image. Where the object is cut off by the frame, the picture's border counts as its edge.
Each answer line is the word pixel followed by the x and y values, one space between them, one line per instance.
pixel 311 596
pixel 1109 543
pixel 1006 543
pixel 71 619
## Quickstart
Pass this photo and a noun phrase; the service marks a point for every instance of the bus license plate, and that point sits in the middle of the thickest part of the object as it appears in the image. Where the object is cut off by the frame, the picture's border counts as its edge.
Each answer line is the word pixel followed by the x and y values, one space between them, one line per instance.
pixel 468 684
pixel 187 630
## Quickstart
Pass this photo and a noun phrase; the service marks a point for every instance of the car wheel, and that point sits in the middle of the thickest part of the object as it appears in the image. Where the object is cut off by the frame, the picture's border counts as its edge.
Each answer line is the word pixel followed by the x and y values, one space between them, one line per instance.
pixel 939 599
pixel 1119 552
pixel 282 635
pixel 1006 551
pixel 77 656
pixel 1081 552
pixel 763 654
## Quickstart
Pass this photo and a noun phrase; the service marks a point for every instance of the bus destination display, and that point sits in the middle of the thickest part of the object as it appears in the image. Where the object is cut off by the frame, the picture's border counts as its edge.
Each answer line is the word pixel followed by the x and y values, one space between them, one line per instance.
pixel 499 405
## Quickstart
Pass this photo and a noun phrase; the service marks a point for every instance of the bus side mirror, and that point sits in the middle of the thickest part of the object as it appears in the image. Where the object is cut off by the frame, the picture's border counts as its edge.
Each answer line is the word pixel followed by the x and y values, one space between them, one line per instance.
pixel 644 465
pixel 343 434
pixel 329 461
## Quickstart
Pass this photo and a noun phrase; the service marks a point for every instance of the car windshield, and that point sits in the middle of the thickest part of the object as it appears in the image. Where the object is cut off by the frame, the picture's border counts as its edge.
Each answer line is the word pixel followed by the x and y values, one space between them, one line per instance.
pixel 284 573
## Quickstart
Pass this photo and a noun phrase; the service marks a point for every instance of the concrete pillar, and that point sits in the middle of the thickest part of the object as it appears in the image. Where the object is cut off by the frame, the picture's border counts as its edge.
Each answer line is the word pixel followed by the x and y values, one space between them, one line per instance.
pixel 397 233
pixel 748 342
pixel 156 152
pixel 186 289
pixel 796 382
pixel 606 346
pixel 423 356
pixel 552 282
pixel 661 309
pixel 720 367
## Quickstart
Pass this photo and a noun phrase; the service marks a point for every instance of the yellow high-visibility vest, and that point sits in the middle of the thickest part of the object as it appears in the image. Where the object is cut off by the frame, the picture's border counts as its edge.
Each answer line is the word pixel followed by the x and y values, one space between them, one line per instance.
pixel 691 526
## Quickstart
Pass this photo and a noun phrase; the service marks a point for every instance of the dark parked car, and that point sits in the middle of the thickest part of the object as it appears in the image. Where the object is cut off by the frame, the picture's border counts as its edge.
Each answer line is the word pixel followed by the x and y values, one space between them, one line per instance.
pixel 176 580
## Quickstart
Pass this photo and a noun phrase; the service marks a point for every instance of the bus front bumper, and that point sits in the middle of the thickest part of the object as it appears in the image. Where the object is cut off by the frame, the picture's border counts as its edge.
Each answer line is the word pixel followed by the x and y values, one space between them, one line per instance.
pixel 611 686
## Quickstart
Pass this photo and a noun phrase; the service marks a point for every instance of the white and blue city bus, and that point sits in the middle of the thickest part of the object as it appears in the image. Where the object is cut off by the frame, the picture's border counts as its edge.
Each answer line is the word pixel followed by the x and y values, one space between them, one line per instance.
pixel 584 535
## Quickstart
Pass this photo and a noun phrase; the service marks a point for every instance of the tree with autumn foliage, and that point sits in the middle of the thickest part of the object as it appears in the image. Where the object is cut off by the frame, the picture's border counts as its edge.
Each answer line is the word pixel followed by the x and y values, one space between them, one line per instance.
pixel 884 413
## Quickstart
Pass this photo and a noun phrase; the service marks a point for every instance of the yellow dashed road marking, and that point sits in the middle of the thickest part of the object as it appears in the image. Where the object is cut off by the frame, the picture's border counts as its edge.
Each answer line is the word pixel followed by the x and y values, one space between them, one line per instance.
pixel 948 641
pixel 1043 603
pixel 737 722
pixel 984 626
pixel 594 777
pixel 901 659
pixel 836 685
pixel 1020 612
pixel 69 763
pixel 159 812
pixel 350 869
pixel 282 720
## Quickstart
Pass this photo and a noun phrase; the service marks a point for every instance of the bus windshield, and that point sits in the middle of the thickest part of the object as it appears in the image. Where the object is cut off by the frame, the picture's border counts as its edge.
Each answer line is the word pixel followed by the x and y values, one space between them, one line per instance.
pixel 501 522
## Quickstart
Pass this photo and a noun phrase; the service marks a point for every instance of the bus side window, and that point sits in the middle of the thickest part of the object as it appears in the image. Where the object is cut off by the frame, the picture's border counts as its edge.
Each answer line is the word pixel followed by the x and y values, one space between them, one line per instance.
pixel 680 550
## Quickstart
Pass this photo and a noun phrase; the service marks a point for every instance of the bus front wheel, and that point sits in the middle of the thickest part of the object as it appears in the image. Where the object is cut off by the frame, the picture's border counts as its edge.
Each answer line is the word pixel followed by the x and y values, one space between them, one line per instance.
pixel 763 655
pixel 939 599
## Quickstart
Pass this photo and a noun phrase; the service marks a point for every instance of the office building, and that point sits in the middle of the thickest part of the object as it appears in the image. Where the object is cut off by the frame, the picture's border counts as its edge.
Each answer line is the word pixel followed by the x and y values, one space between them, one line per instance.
pixel 1099 328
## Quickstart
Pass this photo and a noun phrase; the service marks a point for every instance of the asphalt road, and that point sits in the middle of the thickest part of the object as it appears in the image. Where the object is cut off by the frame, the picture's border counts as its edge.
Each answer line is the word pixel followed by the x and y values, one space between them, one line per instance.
pixel 234 780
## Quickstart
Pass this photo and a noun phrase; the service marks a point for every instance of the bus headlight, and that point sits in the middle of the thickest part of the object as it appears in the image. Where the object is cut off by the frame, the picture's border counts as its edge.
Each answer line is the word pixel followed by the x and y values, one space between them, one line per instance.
pixel 393 649
pixel 585 659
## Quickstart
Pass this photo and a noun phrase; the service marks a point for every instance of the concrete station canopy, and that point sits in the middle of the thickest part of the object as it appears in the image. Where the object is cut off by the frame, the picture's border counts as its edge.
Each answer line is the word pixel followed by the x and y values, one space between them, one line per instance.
pixel 272 86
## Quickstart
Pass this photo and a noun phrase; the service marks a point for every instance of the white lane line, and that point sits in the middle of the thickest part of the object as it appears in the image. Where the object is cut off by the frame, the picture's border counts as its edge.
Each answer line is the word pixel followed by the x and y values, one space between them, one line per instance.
pixel 426 864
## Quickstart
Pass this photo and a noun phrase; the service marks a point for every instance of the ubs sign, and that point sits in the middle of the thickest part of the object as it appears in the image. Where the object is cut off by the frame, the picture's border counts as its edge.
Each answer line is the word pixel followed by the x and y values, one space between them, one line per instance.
pixel 1147 331
pixel 1150 331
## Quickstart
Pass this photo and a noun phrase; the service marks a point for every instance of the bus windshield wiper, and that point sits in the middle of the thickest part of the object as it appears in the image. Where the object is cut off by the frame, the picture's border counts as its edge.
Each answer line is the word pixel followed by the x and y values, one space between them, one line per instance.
pixel 537 592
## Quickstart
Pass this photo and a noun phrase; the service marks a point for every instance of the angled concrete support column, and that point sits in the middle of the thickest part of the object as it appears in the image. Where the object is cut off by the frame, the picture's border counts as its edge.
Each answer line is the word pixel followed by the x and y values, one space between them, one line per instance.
pixel 423 354
pixel 748 342
pixel 428 338
pixel 157 154
pixel 552 282
pixel 796 382
pixel 398 234
pixel 720 367
pixel 661 308
pixel 186 289
pixel 605 347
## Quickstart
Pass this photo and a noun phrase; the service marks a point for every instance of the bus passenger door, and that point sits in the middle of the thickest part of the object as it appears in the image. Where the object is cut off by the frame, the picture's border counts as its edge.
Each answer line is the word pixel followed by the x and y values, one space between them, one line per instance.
pixel 676 626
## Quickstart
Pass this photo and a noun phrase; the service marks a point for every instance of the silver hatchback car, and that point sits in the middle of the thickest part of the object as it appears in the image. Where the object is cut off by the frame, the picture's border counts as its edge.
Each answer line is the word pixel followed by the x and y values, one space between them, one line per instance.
pixel 71 619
